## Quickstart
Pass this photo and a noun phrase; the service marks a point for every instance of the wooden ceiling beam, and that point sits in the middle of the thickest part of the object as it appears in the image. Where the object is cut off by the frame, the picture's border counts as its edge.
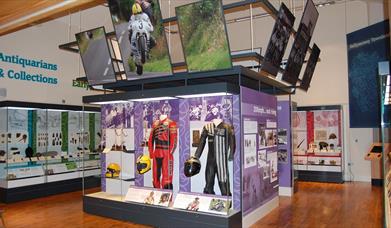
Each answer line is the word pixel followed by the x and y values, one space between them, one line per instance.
pixel 39 11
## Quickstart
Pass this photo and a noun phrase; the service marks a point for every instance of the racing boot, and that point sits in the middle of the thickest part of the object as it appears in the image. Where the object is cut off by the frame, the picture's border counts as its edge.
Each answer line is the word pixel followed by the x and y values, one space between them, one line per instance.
pixel 224 188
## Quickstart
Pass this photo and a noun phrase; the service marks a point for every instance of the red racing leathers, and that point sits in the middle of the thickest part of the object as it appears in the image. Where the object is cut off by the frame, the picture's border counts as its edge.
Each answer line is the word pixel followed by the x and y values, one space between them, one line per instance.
pixel 161 145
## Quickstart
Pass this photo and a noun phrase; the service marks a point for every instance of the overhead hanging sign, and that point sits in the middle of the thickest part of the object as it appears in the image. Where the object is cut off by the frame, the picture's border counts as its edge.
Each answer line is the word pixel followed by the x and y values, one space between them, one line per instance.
pixel 24 74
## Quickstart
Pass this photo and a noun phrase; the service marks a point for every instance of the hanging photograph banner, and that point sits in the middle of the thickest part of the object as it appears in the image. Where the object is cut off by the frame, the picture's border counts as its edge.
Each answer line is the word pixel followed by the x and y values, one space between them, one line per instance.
pixel 278 41
pixel 301 43
pixel 310 69
pixel 204 36
pixel 141 38
pixel 95 55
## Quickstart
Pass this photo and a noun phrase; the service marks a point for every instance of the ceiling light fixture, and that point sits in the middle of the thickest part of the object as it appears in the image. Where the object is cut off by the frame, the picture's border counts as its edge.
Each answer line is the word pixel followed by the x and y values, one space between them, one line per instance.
pixel 204 95
pixel 108 102
pixel 153 99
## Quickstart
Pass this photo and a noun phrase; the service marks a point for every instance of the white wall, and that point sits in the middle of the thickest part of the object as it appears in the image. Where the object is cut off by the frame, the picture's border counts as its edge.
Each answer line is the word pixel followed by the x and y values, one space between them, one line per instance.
pixel 330 82
pixel 41 42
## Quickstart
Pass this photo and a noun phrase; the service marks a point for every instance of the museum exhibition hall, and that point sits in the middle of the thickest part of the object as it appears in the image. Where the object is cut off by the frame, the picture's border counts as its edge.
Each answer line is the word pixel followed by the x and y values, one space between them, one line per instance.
pixel 195 113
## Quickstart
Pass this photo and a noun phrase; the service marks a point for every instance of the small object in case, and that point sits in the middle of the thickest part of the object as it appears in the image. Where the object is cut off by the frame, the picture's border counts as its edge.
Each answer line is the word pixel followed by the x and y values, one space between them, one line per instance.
pixel 113 170
pixel 323 145
pixel 192 167
pixel 332 136
pixel 196 138
pixel 143 164
pixel 29 152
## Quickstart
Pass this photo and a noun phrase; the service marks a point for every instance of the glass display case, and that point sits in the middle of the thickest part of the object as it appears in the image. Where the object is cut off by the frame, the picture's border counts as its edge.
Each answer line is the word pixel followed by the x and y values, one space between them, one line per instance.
pixel 207 156
pixel 318 143
pixel 46 148
pixel 385 98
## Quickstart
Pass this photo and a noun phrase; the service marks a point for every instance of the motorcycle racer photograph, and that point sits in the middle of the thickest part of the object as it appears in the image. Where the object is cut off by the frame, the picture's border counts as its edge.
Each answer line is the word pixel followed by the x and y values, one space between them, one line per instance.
pixel 140 25
pixel 141 37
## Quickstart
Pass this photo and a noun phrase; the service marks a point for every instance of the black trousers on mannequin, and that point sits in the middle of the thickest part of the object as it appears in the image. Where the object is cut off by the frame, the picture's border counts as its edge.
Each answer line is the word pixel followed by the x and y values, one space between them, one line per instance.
pixel 210 173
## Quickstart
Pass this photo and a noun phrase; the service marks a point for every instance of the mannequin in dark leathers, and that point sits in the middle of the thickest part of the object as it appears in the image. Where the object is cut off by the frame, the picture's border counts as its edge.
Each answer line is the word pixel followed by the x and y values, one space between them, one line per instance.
pixel 221 143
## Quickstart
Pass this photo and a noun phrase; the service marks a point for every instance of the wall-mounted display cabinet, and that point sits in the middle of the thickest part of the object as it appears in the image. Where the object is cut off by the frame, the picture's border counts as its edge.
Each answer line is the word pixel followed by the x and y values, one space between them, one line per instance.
pixel 318 143
pixel 47 149
pixel 385 99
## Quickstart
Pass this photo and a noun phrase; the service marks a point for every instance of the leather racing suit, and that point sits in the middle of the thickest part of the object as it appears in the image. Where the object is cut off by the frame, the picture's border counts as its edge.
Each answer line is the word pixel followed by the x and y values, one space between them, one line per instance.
pixel 161 145
pixel 221 143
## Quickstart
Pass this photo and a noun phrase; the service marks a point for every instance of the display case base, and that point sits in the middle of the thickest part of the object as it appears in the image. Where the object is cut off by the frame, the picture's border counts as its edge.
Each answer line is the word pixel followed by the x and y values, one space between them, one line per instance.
pixel 319 176
pixel 10 195
pixel 157 216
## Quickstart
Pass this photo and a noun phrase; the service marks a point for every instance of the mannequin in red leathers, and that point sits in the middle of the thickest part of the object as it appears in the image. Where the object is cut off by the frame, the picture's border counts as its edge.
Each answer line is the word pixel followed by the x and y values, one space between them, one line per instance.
pixel 161 145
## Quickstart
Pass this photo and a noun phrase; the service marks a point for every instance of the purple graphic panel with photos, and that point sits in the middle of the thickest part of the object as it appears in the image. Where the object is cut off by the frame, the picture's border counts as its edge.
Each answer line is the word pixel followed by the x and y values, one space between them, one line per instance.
pixel 153 109
pixel 259 137
pixel 284 144
pixel 113 115
pixel 129 115
pixel 219 107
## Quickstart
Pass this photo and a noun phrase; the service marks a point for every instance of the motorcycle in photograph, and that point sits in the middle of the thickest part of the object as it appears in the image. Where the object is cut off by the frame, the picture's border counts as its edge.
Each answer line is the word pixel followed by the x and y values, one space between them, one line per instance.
pixel 140 50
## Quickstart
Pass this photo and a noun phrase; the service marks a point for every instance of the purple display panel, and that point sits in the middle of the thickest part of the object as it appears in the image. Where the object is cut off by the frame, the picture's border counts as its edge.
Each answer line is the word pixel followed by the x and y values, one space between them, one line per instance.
pixel 184 144
pixel 138 137
pixel 129 115
pixel 103 114
pixel 259 149
pixel 113 115
pixel 196 112
pixel 103 172
pixel 284 144
pixel 237 197
pixel 219 107
pixel 153 109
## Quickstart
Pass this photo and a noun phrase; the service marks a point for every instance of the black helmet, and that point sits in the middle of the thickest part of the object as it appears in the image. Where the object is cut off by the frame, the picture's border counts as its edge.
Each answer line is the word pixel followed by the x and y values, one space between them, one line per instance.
pixel 192 167
pixel 29 152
